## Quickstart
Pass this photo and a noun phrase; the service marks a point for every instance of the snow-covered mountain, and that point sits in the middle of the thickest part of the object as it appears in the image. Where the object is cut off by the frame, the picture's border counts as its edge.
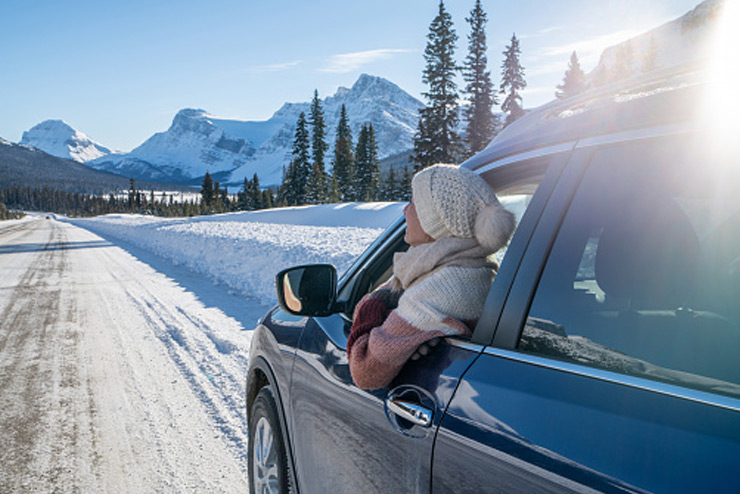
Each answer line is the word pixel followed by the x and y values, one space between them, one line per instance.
pixel 231 150
pixel 59 139
pixel 682 40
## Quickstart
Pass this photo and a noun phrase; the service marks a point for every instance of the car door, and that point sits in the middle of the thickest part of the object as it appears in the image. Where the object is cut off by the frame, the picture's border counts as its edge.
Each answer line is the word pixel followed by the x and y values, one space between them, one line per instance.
pixel 612 366
pixel 350 440
pixel 346 439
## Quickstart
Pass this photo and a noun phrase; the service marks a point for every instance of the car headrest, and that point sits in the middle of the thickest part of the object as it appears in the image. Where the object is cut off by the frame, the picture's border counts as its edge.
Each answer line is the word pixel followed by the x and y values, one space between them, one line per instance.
pixel 647 255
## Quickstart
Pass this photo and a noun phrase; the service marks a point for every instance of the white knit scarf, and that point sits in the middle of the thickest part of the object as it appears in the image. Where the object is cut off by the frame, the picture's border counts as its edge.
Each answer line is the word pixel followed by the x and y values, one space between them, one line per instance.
pixel 418 263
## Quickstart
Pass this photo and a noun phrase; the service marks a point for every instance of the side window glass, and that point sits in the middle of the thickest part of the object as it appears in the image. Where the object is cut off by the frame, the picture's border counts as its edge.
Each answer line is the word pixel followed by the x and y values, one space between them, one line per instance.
pixel 517 204
pixel 644 276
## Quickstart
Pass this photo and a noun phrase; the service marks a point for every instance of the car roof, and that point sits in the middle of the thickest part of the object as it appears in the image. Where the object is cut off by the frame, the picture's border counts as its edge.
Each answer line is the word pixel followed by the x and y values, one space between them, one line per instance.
pixel 657 99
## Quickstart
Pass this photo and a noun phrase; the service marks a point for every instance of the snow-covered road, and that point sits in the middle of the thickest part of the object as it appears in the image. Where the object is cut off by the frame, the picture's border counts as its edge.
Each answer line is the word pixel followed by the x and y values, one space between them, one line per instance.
pixel 119 372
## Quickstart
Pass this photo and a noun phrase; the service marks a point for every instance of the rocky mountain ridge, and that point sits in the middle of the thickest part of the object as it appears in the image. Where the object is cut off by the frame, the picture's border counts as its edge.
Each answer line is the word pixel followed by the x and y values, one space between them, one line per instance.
pixel 231 150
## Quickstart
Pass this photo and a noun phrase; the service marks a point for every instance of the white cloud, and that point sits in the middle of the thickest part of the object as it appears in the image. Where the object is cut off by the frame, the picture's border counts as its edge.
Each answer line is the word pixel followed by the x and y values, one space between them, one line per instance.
pixel 348 62
pixel 275 67
pixel 542 32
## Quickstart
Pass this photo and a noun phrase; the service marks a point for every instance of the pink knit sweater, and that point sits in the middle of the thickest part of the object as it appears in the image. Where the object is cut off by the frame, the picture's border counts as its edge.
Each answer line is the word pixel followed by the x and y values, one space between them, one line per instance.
pixel 383 337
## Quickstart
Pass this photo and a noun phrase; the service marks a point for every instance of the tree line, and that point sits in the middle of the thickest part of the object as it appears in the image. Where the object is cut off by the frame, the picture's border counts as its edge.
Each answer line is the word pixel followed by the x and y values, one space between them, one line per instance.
pixel 214 199
pixel 7 214
pixel 134 201
pixel 355 170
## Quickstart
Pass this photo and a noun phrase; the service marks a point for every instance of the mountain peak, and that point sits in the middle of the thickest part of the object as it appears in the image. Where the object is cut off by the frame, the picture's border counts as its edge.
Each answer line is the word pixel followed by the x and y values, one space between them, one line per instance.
pixel 53 125
pixel 58 138
pixel 374 84
pixel 191 113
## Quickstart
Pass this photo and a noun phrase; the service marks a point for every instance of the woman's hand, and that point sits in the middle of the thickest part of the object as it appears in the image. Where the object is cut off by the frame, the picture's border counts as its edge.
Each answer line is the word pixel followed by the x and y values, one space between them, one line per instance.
pixel 425 348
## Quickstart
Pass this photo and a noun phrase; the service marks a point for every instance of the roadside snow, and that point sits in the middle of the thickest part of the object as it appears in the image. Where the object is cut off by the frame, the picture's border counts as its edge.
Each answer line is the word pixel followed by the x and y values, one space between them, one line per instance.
pixel 244 251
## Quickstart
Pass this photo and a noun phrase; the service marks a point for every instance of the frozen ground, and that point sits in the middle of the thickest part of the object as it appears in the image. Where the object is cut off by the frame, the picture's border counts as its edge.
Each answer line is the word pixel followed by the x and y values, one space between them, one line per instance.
pixel 124 341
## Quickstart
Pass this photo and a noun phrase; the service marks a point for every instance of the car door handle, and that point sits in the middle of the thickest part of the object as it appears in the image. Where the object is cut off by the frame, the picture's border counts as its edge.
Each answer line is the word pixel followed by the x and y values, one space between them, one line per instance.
pixel 416 414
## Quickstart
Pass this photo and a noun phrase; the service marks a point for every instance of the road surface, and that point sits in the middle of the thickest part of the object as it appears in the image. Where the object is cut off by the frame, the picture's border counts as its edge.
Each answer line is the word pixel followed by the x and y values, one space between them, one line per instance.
pixel 117 374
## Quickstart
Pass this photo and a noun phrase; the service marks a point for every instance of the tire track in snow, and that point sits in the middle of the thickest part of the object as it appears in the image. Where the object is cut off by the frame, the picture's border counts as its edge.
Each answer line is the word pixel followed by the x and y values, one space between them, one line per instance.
pixel 203 371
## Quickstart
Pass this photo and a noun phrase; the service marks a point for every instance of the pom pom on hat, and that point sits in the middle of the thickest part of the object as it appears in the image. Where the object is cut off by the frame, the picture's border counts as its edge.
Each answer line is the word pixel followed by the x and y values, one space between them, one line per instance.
pixel 455 202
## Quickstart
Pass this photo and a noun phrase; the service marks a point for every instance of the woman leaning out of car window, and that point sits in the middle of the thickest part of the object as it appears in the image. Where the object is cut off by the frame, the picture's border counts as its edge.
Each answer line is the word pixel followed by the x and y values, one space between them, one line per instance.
pixel 454 223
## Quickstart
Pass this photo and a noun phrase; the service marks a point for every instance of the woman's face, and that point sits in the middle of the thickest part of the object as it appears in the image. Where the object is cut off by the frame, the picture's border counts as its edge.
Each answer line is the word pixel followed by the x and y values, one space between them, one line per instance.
pixel 415 235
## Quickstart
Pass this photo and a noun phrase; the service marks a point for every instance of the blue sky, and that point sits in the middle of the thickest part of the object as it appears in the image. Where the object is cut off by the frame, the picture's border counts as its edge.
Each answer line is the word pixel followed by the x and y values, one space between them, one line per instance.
pixel 119 71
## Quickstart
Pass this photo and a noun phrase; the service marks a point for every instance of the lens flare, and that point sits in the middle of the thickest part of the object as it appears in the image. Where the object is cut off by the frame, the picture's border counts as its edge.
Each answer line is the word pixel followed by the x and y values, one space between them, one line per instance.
pixel 723 99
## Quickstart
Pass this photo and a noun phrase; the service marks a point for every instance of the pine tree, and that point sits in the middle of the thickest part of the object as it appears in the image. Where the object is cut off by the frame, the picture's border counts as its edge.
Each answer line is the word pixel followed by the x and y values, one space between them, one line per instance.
pixel 574 81
pixel 225 202
pixel 288 195
pixel 217 196
pixel 206 191
pixel 436 140
pixel 242 196
pixel 403 189
pixel 317 184
pixel 343 165
pixel 300 167
pixel 267 199
pixel 512 81
pixel 367 170
pixel 478 114
pixel 285 186
pixel 131 194
pixel 316 187
pixel 254 196
pixel 372 164
pixel 333 194
pixel 423 155
pixel 388 189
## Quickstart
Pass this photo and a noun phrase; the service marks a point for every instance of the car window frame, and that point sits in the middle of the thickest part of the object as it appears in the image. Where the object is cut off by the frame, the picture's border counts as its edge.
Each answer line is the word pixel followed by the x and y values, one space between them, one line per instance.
pixel 554 163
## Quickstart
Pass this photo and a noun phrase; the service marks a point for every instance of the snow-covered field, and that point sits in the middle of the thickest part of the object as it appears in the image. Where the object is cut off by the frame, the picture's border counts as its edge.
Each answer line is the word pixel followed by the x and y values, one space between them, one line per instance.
pixel 244 251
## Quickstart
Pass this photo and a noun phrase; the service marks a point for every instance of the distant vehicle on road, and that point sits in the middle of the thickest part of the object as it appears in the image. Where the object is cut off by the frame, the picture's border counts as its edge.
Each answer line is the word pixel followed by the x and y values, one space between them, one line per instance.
pixel 606 358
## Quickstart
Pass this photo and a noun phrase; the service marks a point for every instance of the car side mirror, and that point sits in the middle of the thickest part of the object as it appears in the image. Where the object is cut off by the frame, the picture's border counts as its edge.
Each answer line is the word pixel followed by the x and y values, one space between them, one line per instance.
pixel 309 290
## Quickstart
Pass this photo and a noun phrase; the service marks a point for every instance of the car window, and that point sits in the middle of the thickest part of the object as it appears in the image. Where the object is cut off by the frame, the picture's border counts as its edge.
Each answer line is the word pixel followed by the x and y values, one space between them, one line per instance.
pixel 644 275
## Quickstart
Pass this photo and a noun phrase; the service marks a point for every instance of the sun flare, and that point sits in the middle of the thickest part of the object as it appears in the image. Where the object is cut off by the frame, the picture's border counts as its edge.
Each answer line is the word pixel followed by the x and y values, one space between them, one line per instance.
pixel 724 74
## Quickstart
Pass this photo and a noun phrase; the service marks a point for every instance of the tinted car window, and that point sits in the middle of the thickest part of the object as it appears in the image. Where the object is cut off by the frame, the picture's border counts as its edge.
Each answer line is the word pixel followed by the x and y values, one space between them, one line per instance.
pixel 644 275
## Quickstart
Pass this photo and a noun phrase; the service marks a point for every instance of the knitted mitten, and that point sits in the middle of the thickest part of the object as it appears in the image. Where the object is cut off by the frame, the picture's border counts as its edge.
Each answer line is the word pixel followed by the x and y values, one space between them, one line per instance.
pixel 369 313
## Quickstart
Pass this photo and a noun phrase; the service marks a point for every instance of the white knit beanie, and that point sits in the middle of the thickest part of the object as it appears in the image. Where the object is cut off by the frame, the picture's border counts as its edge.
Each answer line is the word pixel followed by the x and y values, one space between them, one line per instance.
pixel 455 202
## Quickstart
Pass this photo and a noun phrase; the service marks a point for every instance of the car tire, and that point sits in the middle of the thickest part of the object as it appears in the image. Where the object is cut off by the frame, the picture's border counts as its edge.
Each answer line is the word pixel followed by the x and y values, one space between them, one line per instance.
pixel 268 463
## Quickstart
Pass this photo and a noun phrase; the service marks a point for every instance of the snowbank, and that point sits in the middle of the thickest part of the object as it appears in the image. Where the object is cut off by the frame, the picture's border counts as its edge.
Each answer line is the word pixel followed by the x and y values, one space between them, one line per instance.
pixel 245 251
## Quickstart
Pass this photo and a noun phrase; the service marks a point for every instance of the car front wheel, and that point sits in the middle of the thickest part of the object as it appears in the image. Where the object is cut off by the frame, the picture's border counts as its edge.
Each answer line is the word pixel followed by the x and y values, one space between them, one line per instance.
pixel 268 465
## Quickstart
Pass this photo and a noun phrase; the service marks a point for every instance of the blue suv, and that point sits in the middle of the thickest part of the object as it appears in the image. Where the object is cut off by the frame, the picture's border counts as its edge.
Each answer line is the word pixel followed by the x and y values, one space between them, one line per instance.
pixel 607 355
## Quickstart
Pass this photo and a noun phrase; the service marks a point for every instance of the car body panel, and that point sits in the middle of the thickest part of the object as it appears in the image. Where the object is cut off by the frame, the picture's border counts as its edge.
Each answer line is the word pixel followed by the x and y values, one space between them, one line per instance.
pixel 345 439
pixel 538 429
